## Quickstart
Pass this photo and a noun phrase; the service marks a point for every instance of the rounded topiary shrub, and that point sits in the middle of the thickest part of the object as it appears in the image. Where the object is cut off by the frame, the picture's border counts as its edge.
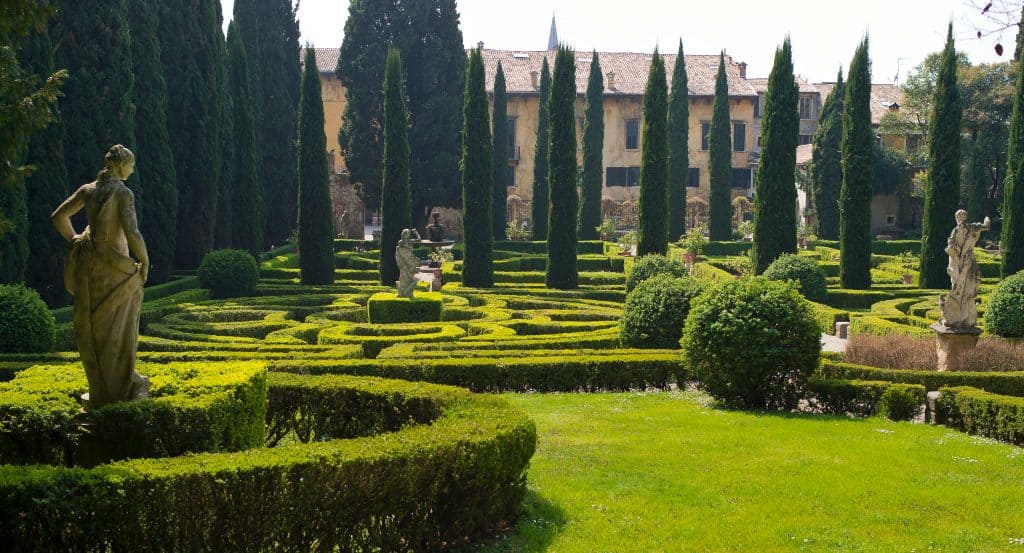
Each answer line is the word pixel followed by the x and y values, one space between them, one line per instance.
pixel 656 310
pixel 229 273
pixel 1004 314
pixel 752 343
pixel 26 324
pixel 803 270
pixel 649 265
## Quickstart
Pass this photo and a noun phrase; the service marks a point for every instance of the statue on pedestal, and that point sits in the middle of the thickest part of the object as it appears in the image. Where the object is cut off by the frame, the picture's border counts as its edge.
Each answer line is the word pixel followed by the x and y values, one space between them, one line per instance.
pixel 408 263
pixel 105 281
pixel 958 307
pixel 956 332
pixel 435 230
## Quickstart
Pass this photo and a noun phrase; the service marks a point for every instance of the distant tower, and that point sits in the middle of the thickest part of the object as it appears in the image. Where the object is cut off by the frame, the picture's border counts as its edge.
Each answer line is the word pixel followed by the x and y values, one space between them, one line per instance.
pixel 553 35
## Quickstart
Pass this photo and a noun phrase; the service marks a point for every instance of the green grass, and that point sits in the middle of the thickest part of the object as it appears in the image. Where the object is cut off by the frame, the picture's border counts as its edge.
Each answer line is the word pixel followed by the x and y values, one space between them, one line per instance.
pixel 664 472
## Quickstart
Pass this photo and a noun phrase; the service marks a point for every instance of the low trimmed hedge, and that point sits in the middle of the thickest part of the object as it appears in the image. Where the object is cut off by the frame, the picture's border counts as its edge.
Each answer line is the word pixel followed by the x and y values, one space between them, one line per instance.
pixel 845 298
pixel 720 249
pixel 979 412
pixel 351 245
pixel 387 307
pixel 865 398
pixel 885 326
pixel 425 487
pixel 1006 383
pixel 557 373
pixel 582 247
pixel 194 407
pixel 827 317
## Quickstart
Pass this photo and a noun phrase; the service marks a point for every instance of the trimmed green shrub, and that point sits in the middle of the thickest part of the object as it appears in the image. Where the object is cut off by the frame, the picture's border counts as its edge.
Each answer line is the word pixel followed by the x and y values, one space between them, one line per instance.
pixel 721 249
pixel 1005 383
pixel 656 310
pixel 827 317
pixel 387 307
pixel 978 412
pixel 193 407
pixel 26 324
pixel 901 402
pixel 752 343
pixel 229 273
pixel 854 299
pixel 647 266
pixel 865 398
pixel 1004 314
pixel 804 271
pixel 453 471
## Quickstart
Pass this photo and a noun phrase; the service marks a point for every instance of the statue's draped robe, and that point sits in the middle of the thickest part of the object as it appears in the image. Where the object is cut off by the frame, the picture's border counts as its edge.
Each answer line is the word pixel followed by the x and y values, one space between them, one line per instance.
pixel 408 266
pixel 107 289
pixel 964 275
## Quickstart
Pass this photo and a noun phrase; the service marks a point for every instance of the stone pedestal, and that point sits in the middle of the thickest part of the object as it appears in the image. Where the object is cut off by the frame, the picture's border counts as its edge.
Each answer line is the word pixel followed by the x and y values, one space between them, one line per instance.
pixel 952 343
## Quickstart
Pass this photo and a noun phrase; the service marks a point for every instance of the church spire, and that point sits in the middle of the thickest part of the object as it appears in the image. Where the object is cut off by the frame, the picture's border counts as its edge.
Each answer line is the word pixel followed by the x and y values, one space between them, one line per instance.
pixel 553 35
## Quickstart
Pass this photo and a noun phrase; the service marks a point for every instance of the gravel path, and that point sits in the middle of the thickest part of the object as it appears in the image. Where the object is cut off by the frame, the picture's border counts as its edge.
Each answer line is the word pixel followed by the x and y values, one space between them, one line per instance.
pixel 831 343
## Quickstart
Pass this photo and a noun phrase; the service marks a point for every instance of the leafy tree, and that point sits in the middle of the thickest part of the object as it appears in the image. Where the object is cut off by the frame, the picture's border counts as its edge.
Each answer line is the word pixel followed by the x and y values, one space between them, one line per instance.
pixel 477 179
pixel 943 195
pixel 593 144
pixel 774 216
pixel 316 229
pixel 276 70
pixel 678 147
pixel 653 210
pixel 562 270
pixel 539 207
pixel 395 200
pixel 247 221
pixel 427 35
pixel 159 212
pixel 826 164
pixel 976 178
pixel 45 188
pixel 500 136
pixel 987 92
pixel 720 160
pixel 191 48
pixel 858 175
pixel 27 106
pixel 1013 196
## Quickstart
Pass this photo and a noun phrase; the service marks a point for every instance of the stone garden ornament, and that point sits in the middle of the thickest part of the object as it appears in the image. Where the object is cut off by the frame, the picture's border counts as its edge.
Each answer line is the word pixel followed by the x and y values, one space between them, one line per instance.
pixel 408 263
pixel 106 281
pixel 957 330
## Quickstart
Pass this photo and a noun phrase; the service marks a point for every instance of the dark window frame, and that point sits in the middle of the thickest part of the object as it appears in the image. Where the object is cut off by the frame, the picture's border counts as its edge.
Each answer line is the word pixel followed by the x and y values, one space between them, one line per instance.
pixel 693 177
pixel 633 139
pixel 705 130
pixel 736 138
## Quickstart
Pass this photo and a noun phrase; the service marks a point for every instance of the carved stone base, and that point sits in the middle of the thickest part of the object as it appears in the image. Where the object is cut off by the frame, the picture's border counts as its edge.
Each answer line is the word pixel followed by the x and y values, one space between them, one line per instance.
pixel 952 343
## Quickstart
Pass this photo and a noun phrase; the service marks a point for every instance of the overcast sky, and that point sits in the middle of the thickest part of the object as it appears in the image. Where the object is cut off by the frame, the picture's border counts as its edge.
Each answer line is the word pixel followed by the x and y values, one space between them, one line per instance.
pixel 824 33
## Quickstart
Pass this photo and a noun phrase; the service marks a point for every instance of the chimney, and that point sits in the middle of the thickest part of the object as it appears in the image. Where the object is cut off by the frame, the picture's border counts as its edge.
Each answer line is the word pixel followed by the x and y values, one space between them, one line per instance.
pixel 611 80
pixel 533 79
pixel 480 45
pixel 743 69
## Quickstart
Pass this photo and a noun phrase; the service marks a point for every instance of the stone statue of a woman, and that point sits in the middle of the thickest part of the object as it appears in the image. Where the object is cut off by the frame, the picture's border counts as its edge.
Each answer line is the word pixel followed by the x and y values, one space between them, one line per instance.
pixel 408 263
pixel 958 307
pixel 105 281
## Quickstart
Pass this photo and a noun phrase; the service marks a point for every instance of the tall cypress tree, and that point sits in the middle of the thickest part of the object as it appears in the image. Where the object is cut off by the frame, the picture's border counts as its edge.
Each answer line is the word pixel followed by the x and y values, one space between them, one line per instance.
pixel 247 220
pixel 428 36
pixel 539 206
pixel 593 159
pixel 477 179
pixel 191 48
pixel 720 160
pixel 316 228
pixel 977 175
pixel 500 137
pixel 277 67
pixel 45 188
pixel 562 270
pixel 158 213
pixel 678 147
pixel 774 213
pixel 653 214
pixel 395 197
pixel 1012 210
pixel 97 109
pixel 827 164
pixel 858 175
pixel 943 195
pixel 226 186
pixel 14 234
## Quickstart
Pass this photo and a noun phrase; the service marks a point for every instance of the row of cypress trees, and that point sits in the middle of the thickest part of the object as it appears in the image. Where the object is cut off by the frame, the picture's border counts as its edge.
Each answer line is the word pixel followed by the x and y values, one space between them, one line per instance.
pixel 204 116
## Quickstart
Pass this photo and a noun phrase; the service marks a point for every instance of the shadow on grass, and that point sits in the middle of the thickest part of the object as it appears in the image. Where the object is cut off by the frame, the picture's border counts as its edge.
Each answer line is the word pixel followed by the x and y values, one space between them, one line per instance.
pixel 539 522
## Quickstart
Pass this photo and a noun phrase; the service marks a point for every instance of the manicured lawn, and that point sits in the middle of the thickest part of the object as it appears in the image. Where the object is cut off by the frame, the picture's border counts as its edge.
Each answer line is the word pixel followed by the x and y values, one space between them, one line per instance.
pixel 663 472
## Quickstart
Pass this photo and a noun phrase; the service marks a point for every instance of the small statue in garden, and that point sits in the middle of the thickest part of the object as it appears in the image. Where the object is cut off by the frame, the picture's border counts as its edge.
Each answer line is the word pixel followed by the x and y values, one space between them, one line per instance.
pixel 435 230
pixel 105 281
pixel 958 307
pixel 408 263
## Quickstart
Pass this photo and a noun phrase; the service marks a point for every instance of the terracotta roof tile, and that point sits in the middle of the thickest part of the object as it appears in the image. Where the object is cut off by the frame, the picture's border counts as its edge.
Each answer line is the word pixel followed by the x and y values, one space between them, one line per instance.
pixel 326 59
pixel 883 95
pixel 760 84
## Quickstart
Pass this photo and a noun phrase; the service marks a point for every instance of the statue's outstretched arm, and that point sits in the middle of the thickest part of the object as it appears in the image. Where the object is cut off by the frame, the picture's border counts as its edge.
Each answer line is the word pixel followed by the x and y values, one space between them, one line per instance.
pixel 61 216
pixel 130 226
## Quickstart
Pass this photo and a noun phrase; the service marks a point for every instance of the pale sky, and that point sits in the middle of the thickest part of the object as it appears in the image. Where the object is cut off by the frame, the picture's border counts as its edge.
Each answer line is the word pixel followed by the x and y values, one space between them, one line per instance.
pixel 824 33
